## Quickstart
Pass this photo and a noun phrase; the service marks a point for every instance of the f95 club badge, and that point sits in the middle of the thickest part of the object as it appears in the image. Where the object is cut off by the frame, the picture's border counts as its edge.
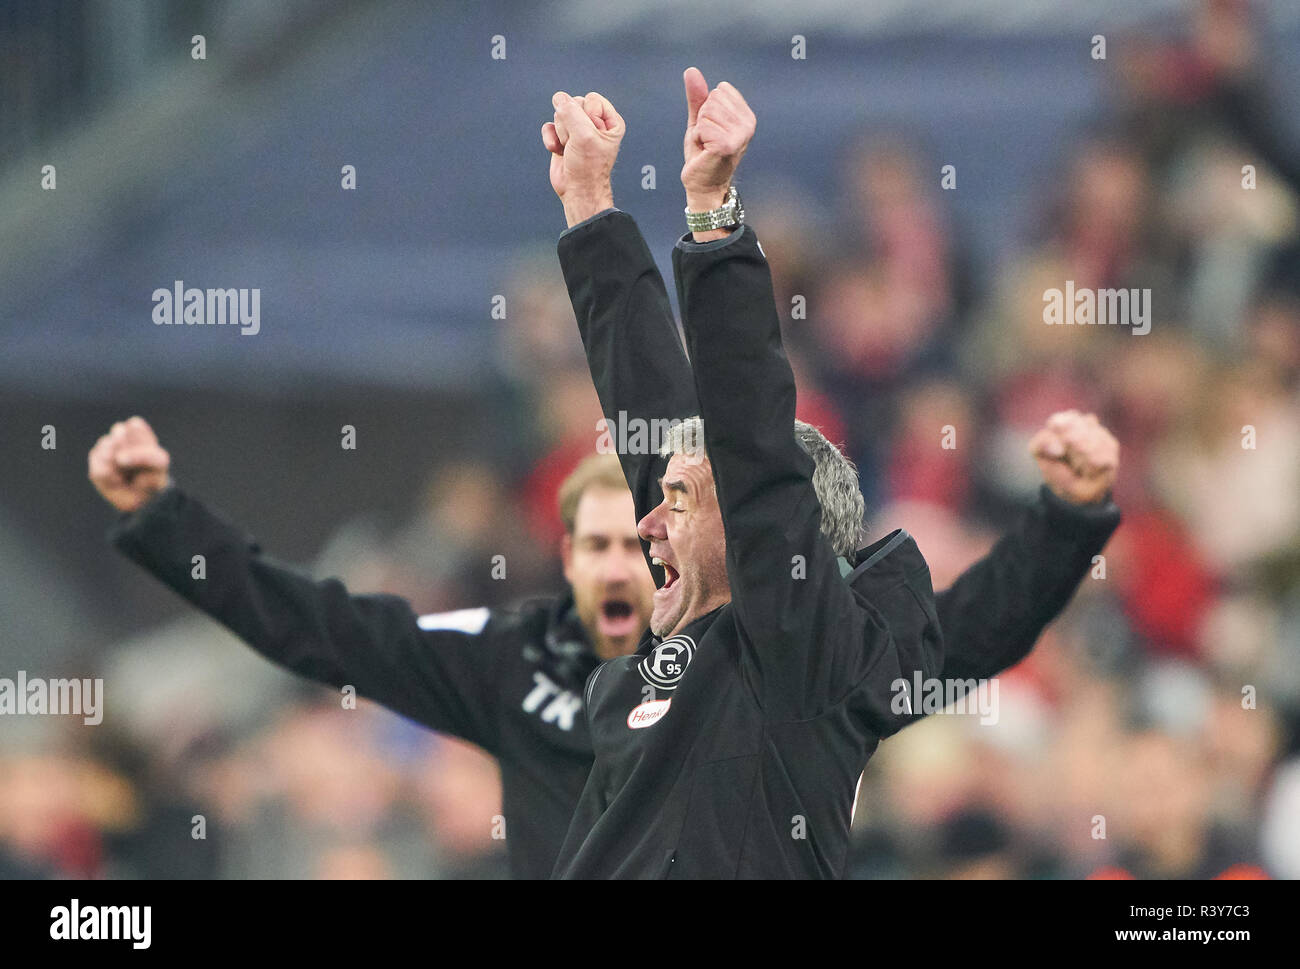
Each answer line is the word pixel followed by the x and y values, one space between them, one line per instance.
pixel 662 668
pixel 666 663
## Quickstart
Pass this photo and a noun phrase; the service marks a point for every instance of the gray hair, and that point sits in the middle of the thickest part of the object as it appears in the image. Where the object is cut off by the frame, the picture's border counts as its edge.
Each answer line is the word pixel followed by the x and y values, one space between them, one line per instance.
pixel 835 479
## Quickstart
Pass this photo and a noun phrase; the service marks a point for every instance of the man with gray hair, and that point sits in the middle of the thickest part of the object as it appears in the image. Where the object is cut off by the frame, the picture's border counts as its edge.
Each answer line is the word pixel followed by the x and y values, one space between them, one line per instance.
pixel 731 743
pixel 993 614
pixel 745 766
pixel 835 479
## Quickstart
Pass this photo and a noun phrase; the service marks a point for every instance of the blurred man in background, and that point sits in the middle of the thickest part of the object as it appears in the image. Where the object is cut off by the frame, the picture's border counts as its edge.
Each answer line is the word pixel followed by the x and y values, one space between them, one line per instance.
pixel 509 680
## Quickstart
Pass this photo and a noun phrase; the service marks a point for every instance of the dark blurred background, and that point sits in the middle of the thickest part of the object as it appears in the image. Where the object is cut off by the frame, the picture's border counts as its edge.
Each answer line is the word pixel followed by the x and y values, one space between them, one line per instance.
pixel 924 310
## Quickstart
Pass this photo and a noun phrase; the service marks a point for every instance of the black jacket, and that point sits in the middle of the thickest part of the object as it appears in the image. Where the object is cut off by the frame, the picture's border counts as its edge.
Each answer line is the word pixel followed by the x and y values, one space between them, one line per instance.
pixel 995 611
pixel 734 747
pixel 509 680
pixel 747 765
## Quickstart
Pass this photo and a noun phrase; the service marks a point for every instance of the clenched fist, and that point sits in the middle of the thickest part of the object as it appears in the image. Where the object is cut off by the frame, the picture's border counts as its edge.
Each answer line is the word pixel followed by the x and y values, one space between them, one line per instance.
pixel 128 466
pixel 719 126
pixel 1078 457
pixel 583 139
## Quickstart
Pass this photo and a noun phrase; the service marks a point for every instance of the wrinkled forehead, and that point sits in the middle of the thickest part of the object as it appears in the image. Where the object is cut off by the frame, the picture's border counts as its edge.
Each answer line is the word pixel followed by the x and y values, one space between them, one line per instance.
pixel 693 470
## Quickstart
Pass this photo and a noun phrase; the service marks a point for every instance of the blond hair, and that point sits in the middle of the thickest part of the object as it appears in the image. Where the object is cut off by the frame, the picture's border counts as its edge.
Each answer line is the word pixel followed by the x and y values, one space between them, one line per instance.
pixel 595 470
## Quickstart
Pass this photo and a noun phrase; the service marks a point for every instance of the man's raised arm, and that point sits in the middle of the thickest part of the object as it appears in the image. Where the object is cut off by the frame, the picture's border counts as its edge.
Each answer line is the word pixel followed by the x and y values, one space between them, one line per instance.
pixel 438 670
pixel 636 357
pixel 810 642
pixel 996 610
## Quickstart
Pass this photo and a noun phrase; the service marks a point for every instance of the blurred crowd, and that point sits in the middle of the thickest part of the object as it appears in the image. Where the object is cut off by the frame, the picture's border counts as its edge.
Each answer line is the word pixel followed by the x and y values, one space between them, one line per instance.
pixel 1153 731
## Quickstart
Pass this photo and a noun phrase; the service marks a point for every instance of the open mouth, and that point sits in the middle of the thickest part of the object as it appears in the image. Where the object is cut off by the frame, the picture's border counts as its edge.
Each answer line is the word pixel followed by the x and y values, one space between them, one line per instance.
pixel 616 610
pixel 619 618
pixel 670 573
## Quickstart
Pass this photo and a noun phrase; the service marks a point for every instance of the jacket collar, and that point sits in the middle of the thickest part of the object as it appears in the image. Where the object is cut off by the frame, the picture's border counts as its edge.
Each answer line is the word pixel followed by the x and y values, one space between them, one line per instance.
pixel 695 629
pixel 567 656
pixel 895 554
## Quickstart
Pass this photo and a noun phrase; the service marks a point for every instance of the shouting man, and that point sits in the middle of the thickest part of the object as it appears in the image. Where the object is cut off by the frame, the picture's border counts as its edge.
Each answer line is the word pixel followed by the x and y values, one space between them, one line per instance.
pixel 746 764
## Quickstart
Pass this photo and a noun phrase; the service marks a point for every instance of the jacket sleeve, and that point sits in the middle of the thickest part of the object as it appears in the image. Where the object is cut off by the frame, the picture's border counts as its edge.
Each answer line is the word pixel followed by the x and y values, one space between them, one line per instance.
pixel 807 642
pixel 996 610
pixel 437 670
pixel 633 349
